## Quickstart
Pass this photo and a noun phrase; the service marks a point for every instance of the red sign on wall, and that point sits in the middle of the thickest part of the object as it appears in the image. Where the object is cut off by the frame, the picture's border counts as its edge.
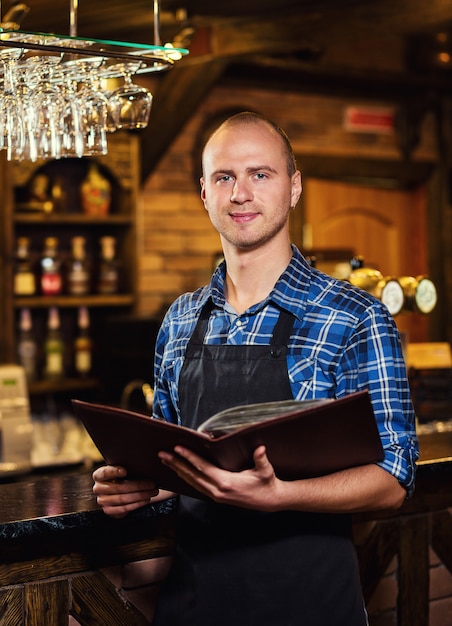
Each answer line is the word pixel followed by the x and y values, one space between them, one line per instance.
pixel 377 120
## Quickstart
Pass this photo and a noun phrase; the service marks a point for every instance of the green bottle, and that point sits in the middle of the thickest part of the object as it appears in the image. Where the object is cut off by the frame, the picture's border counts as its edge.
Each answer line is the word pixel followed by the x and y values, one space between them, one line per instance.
pixel 53 347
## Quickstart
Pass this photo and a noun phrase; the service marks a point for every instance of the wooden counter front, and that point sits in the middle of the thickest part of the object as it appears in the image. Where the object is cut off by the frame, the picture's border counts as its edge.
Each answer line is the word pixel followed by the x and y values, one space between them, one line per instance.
pixel 54 540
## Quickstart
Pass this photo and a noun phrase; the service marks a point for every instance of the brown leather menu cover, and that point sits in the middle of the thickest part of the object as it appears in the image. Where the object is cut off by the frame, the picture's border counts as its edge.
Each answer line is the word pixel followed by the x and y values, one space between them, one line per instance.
pixel 313 441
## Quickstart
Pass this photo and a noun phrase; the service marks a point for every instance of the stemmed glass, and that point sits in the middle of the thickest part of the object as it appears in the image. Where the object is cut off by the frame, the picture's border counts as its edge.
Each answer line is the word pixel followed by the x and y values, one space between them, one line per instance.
pixel 44 109
pixel 93 105
pixel 129 106
pixel 73 140
pixel 12 128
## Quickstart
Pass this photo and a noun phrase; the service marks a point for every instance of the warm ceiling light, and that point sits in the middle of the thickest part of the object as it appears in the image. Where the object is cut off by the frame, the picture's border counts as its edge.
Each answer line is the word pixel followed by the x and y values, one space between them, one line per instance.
pixel 442 37
pixel 443 58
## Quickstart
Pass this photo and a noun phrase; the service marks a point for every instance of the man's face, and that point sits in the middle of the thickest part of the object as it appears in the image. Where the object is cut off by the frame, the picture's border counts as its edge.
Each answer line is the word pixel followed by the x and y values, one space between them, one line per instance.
pixel 246 188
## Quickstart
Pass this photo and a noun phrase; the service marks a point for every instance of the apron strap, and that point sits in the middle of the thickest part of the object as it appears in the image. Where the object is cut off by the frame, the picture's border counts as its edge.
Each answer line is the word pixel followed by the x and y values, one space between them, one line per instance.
pixel 198 334
pixel 282 329
pixel 281 332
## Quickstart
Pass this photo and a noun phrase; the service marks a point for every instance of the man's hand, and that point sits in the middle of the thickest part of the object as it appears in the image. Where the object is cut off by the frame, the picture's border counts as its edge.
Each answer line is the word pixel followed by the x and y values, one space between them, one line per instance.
pixel 364 488
pixel 255 488
pixel 118 496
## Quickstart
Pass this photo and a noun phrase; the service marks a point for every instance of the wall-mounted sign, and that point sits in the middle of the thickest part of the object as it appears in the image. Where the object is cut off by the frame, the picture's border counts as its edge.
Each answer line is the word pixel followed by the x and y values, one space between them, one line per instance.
pixel 362 119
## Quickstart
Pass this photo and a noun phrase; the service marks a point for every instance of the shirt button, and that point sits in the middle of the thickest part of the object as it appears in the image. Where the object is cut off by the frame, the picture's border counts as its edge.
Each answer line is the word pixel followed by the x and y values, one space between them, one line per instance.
pixel 238 323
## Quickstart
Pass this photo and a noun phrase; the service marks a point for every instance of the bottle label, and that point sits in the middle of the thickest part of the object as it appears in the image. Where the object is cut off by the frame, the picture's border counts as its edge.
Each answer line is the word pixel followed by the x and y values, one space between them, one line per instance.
pixel 54 349
pixel 108 281
pixel 78 282
pixel 51 284
pixel 24 284
pixel 83 361
pixel 54 364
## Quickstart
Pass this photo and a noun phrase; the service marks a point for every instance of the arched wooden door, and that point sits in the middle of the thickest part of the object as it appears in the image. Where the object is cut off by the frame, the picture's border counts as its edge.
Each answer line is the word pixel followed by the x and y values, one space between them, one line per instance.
pixel 385 226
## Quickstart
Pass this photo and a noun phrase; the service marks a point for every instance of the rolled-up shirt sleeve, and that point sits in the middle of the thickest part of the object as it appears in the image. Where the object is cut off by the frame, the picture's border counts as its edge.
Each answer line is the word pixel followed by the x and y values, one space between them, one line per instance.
pixel 374 356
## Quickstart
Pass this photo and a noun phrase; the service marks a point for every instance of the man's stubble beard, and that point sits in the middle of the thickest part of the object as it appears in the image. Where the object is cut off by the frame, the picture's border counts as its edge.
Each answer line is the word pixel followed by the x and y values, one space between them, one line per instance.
pixel 247 238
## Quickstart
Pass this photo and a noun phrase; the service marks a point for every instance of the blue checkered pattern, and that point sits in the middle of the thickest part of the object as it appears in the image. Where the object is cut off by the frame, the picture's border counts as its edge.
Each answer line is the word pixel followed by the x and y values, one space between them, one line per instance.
pixel 343 340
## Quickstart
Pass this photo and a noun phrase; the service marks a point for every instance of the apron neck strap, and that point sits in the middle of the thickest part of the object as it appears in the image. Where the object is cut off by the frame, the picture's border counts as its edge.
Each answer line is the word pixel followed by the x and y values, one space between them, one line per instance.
pixel 281 331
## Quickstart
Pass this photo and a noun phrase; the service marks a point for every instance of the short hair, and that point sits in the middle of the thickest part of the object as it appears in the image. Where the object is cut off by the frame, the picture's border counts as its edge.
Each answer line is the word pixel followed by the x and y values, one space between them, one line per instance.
pixel 250 117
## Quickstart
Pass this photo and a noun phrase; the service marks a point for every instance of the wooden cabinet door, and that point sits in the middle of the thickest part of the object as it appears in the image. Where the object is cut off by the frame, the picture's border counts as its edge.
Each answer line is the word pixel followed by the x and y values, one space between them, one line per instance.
pixel 385 226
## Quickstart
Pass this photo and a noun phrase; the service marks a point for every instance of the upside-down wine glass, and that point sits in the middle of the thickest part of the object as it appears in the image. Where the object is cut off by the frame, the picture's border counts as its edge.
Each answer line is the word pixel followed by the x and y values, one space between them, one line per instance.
pixel 12 128
pixel 93 104
pixel 44 107
pixel 130 105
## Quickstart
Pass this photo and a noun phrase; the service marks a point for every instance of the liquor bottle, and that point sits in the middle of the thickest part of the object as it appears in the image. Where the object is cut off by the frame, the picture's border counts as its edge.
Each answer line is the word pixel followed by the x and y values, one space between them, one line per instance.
pixel 26 345
pixel 83 344
pixel 95 192
pixel 78 276
pixel 53 347
pixel 51 278
pixel 108 278
pixel 24 276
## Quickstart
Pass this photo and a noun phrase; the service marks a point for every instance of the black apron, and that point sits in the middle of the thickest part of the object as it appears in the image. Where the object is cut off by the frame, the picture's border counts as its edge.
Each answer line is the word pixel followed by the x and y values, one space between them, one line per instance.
pixel 235 567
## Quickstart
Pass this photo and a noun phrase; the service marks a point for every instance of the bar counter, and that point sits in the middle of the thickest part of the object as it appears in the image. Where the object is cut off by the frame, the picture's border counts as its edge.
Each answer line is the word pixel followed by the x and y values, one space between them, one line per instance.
pixel 55 541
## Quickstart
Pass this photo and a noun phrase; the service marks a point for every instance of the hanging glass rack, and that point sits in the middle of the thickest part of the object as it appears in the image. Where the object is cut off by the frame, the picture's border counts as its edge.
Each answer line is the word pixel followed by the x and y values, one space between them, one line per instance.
pixel 149 58
pixel 54 98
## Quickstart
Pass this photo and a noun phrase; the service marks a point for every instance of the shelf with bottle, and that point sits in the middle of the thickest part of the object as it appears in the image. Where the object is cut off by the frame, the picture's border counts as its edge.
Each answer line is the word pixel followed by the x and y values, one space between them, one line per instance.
pixel 69 302
pixel 46 219
pixel 70 277
pixel 91 198
pixel 67 189
pixel 56 349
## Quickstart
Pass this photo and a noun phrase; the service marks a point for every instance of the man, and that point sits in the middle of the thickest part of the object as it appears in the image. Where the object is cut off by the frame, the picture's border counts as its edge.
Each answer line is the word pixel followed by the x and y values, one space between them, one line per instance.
pixel 262 551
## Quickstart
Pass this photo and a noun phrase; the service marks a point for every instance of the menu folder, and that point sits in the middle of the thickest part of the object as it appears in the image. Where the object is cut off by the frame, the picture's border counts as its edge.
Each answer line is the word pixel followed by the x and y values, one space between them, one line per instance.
pixel 303 438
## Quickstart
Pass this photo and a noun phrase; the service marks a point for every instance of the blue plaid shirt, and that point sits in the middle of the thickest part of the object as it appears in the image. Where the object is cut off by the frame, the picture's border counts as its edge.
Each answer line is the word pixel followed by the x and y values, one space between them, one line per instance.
pixel 343 340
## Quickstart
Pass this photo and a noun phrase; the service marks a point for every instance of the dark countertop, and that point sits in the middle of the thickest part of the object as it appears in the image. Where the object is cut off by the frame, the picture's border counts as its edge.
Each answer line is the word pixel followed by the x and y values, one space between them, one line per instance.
pixel 41 503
